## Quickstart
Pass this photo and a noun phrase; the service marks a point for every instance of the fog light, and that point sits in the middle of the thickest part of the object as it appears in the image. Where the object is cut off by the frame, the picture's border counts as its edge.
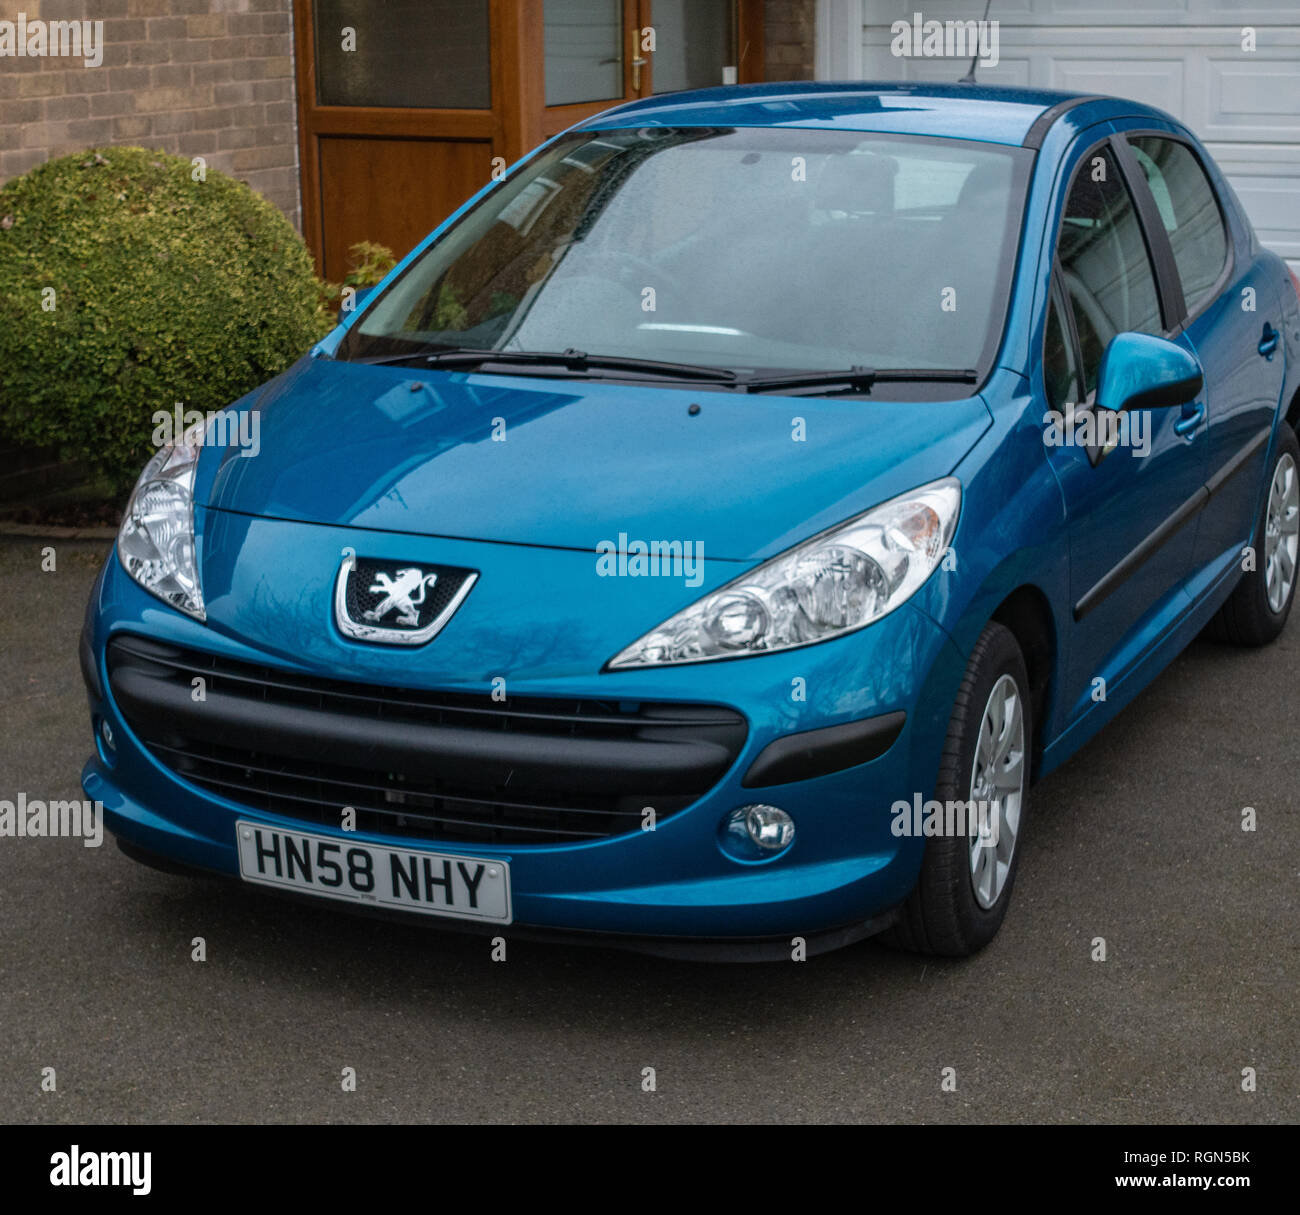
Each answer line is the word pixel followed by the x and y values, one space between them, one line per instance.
pixel 757 832
pixel 106 733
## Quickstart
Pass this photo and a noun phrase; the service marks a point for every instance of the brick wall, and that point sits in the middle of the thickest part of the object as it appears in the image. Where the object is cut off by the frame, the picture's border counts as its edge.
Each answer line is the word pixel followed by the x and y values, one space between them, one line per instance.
pixel 210 78
pixel 788 30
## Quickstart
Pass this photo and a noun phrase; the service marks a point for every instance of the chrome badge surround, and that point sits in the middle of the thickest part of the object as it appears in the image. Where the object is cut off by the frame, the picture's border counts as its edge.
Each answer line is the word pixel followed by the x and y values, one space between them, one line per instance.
pixel 362 631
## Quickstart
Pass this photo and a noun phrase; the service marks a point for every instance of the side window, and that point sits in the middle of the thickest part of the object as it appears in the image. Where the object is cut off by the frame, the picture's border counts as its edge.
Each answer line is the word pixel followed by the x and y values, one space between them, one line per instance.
pixel 1104 262
pixel 1189 211
pixel 1059 374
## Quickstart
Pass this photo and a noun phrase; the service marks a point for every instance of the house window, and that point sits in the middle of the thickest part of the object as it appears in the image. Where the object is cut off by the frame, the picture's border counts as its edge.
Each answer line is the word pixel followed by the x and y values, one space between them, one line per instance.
pixel 431 54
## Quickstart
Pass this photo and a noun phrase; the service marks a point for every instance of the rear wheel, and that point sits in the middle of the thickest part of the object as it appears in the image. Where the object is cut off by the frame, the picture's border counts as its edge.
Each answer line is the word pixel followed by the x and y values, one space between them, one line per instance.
pixel 961 897
pixel 1257 609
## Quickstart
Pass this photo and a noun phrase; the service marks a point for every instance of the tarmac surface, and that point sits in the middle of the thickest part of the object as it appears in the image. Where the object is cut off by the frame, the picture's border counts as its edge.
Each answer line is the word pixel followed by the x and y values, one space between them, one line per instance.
pixel 1138 839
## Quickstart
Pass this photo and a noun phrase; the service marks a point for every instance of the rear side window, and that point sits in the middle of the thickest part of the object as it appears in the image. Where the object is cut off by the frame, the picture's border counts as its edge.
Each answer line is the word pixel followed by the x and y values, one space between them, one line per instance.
pixel 1104 262
pixel 1189 211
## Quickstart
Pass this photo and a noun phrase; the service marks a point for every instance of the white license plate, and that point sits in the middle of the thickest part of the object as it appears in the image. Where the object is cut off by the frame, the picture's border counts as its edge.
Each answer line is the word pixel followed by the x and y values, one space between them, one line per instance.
pixel 432 883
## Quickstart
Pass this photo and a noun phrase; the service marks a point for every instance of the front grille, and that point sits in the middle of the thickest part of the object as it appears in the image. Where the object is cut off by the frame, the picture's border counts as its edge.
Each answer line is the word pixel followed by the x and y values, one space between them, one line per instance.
pixel 452 767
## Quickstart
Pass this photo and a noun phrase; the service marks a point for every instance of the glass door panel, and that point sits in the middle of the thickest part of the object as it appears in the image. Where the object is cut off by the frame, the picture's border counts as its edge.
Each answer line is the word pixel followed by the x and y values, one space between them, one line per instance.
pixel 583 51
pixel 694 44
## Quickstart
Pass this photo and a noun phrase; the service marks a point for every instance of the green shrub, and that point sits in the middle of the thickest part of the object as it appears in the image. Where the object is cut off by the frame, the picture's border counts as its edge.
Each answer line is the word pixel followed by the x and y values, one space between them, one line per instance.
pixel 165 289
pixel 368 262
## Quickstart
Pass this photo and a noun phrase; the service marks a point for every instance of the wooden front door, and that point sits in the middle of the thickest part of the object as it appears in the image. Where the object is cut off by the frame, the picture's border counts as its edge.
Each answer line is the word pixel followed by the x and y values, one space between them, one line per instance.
pixel 406 106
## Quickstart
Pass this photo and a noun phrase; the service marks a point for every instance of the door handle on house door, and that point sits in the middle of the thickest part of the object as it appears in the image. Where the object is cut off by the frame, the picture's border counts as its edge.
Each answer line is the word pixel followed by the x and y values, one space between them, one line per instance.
pixel 637 64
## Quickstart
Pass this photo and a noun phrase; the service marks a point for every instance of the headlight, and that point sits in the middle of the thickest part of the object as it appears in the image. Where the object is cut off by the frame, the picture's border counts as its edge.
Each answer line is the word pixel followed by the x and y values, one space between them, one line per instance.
pixel 836 582
pixel 156 542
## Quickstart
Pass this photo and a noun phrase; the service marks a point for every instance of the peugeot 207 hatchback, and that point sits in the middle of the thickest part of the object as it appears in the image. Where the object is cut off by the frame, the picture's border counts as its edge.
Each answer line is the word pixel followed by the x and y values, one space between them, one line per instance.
pixel 704 538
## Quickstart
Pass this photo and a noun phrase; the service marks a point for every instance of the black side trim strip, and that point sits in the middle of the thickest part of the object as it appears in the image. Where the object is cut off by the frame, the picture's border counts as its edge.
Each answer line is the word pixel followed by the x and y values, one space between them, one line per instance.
pixel 1042 124
pixel 1234 465
pixel 1111 580
pixel 821 752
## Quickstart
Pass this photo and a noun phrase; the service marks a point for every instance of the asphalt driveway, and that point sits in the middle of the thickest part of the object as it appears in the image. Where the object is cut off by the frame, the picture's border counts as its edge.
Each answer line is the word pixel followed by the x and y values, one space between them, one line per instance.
pixel 1137 840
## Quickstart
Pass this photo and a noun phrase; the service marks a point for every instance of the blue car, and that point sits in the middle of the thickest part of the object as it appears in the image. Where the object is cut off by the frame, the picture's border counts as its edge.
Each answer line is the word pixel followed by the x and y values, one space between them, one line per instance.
pixel 702 541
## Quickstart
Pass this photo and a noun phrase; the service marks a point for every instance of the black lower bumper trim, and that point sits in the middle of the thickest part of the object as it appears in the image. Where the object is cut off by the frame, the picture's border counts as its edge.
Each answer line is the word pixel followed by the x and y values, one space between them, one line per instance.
pixel 90 676
pixel 687 949
pixel 821 752
pixel 417 749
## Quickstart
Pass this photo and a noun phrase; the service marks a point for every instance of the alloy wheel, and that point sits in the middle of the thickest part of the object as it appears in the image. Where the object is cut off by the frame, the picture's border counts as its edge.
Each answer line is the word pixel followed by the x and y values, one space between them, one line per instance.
pixel 997 787
pixel 1281 533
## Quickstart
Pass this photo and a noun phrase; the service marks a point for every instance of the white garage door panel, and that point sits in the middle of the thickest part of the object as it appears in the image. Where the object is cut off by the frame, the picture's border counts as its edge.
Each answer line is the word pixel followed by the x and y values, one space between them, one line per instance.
pixel 1183 56
pixel 1267 180
pixel 1198 75
pixel 1158 82
pixel 1011 73
pixel 1254 100
pixel 1092 12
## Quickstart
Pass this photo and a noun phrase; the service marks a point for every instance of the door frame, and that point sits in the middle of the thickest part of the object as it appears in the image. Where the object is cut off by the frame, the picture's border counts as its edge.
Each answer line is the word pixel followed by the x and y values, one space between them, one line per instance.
pixel 518 118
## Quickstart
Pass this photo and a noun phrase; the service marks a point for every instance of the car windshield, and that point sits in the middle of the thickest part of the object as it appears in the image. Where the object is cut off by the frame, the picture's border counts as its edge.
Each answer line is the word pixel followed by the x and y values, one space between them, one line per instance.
pixel 750 249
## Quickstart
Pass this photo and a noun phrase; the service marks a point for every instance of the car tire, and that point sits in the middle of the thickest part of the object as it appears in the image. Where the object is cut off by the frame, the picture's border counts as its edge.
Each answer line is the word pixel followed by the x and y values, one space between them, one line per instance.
pixel 945 914
pixel 1258 607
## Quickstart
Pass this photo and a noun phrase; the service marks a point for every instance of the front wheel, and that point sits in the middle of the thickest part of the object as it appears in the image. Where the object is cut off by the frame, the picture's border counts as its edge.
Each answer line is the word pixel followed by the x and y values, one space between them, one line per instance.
pixel 1257 609
pixel 961 896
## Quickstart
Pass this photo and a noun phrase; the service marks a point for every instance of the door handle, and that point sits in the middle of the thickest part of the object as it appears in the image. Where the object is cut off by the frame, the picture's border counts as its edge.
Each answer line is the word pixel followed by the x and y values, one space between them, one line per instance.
pixel 638 61
pixel 1190 420
pixel 1268 342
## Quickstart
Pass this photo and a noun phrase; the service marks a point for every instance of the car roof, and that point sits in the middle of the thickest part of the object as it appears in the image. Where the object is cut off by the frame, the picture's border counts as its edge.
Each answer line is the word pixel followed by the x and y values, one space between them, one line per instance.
pixel 995 114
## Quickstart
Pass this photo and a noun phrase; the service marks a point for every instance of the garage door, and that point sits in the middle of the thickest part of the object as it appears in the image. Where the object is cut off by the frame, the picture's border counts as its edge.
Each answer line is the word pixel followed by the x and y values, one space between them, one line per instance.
pixel 1184 56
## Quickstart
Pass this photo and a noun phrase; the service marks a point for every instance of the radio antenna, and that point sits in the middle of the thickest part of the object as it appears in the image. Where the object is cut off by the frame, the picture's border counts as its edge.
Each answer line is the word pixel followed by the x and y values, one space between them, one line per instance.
pixel 969 78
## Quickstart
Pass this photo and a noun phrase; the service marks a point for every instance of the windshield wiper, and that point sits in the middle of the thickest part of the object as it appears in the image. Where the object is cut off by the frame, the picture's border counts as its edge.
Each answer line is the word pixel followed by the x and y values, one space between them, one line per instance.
pixel 860 379
pixel 570 360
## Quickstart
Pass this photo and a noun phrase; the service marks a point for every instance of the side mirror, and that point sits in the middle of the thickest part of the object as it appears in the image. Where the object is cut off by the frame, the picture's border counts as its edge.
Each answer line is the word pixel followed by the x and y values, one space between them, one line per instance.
pixel 1139 371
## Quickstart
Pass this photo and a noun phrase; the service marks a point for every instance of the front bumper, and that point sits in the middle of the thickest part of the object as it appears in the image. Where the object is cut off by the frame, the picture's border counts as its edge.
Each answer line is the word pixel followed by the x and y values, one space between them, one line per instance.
pixel 886 690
